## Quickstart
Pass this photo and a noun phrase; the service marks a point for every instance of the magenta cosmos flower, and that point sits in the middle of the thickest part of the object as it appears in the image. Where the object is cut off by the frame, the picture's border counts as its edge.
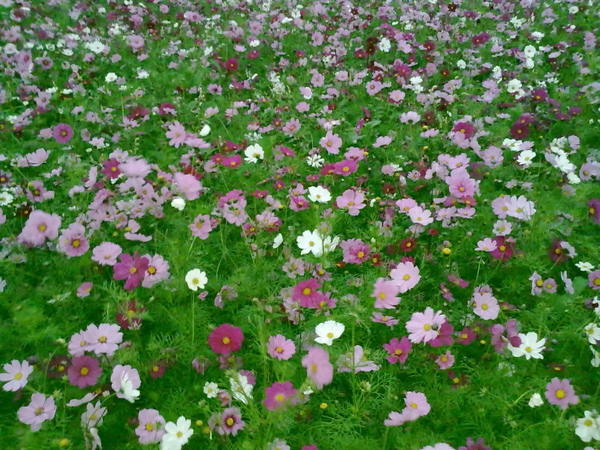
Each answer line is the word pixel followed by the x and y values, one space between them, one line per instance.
pixel 278 395
pixel 423 327
pixel 16 375
pixel 38 411
pixel 398 350
pixel 307 294
pixel 62 133
pixel 406 276
pixel 72 241
pixel 131 269
pixel 151 426
pixel 561 393
pixel 226 339
pixel 318 367
pixel 281 348
pixel 39 227
pixel 84 371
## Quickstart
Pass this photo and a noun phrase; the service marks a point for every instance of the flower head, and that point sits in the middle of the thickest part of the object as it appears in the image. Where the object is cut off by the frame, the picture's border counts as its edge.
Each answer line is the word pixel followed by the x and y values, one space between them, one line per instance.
pixel 196 279
pixel 318 367
pixel 328 331
pixel 226 339
pixel 561 393
pixel 38 411
pixel 16 374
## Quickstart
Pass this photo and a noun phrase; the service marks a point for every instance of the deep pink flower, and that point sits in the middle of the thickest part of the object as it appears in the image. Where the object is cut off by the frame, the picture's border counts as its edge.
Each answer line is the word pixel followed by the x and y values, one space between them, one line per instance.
pixel 307 293
pixel 84 371
pixel 132 269
pixel 279 395
pixel 318 367
pixel 355 251
pixel 231 422
pixel 398 350
pixel 226 339
pixel 233 161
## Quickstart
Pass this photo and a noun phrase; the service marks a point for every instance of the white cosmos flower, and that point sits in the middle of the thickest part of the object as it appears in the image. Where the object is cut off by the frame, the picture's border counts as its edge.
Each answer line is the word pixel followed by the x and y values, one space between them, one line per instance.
pixel 328 331
pixel 592 332
pixel 385 45
pixel 176 435
pixel 178 203
pixel 530 51
pixel 530 346
pixel 254 153
pixel 330 243
pixel 514 86
pixel 278 240
pixel 211 389
pixel 588 427
pixel 240 389
pixel 536 400
pixel 584 266
pixel 196 279
pixel 204 131
pixel 310 242
pixel 318 194
pixel 525 158
pixel 129 393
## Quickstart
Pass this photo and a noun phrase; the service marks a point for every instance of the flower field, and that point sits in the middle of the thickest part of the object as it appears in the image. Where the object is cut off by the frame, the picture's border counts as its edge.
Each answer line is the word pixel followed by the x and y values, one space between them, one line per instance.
pixel 271 224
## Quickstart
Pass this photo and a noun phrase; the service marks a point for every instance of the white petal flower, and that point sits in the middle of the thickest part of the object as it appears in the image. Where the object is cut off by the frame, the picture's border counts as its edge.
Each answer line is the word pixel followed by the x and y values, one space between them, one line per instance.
pixel 588 427
pixel 254 153
pixel 211 389
pixel 196 279
pixel 310 241
pixel 328 331
pixel 240 389
pixel 536 400
pixel 178 203
pixel 530 346
pixel 278 240
pixel 319 194
pixel 204 131
pixel 592 332
pixel 177 434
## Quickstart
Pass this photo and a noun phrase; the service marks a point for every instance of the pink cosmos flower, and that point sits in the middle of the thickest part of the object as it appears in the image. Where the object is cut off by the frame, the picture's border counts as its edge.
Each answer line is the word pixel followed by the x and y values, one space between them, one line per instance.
pixel 38 411
pixel 594 279
pixel 103 339
pixel 226 339
pixel 131 269
pixel 485 306
pixel 233 161
pixel 151 426
pixel 420 216
pixel 318 367
pixel 281 348
pixel 84 371
pixel 461 184
pixel 188 185
pixel 202 226
pixel 561 393
pixel 385 294
pixel 386 320
pixel 176 134
pixel 39 227
pixel 16 373
pixel 157 271
pixel 351 200
pixel 398 350
pixel 355 251
pixel 423 327
pixel 231 422
pixel 406 276
pixel 106 254
pixel 72 241
pixel 416 403
pixel 331 142
pixel 62 133
pixel 445 361
pixel 279 395
pixel 84 289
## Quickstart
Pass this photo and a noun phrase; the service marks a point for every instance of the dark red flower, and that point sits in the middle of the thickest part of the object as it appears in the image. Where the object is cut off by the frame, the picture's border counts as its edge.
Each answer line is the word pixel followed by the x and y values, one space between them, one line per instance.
pixel 226 339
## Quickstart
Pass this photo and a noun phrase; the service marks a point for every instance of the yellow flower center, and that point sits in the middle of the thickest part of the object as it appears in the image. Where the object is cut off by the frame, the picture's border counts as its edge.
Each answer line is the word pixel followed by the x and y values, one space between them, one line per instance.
pixel 155 368
pixel 484 307
pixel 306 291
pixel 528 349
pixel 229 422
pixel 132 270
pixel 42 228
pixel 360 254
pixel 102 339
pixel 38 411
pixel 414 405
pixel 406 277
pixel 330 335
pixel 597 282
pixel 76 243
pixel 151 270
pixel 279 350
pixel 588 422
pixel 427 327
pixel 381 295
pixel 84 371
pixel 398 352
pixel 280 397
pixel 560 393
pixel 313 368
pixel 18 376
pixel 149 427
pixel 226 340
